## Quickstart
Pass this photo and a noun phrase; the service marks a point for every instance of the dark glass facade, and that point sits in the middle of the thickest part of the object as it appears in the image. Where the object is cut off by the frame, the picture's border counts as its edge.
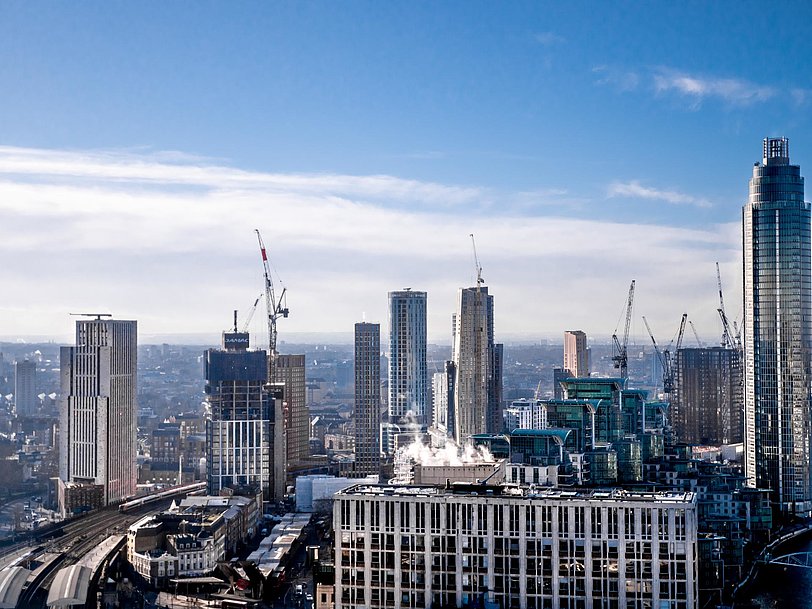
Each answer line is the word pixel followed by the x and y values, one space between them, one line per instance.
pixel 708 400
pixel 367 399
pixel 777 306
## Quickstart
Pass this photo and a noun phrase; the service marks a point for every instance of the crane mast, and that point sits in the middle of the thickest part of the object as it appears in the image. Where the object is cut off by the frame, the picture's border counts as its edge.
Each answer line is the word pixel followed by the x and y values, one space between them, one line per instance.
pixel 620 357
pixel 477 268
pixel 661 357
pixel 666 358
pixel 275 308
pixel 696 334
pixel 251 312
pixel 727 336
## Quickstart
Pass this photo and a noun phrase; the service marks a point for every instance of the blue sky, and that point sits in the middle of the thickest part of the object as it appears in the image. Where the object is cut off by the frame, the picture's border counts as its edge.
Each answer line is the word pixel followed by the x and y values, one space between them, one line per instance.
pixel 586 144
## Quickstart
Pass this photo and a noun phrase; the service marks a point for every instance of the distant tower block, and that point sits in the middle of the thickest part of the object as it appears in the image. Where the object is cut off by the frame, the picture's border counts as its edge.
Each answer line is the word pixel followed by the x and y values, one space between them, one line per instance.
pixel 576 353
pixel 25 390
pixel 367 399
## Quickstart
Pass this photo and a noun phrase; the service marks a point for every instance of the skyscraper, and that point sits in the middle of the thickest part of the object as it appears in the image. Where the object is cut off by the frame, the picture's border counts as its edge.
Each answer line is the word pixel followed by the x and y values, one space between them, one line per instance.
pixel 474 356
pixel 245 431
pixel 98 415
pixel 408 376
pixel 25 391
pixel 290 371
pixel 367 399
pixel 576 354
pixel 777 335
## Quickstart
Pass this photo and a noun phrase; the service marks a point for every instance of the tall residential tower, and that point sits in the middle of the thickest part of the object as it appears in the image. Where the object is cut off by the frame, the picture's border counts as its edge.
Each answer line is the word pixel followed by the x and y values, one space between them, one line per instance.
pixel 777 335
pixel 367 399
pixel 576 354
pixel 290 371
pixel 25 387
pixel 98 417
pixel 408 374
pixel 477 362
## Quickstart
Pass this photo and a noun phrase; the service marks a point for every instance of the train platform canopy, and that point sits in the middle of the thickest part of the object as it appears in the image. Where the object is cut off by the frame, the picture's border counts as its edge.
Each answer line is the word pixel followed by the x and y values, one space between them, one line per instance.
pixel 12 580
pixel 70 587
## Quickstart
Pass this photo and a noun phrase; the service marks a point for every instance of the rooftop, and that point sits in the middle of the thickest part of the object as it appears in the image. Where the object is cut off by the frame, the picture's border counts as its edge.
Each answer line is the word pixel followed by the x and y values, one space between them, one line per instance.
pixel 506 491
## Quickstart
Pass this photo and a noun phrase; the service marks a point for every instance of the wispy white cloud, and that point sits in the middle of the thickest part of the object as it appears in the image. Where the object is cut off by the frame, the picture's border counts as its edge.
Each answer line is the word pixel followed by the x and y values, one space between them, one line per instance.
pixel 115 166
pixel 171 243
pixel 549 39
pixel 800 95
pixel 634 189
pixel 731 90
pixel 696 88
pixel 622 80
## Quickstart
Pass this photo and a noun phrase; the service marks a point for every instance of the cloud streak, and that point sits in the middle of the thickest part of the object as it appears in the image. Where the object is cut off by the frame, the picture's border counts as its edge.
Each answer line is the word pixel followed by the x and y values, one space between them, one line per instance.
pixel 730 90
pixel 169 240
pixel 634 189
pixel 698 88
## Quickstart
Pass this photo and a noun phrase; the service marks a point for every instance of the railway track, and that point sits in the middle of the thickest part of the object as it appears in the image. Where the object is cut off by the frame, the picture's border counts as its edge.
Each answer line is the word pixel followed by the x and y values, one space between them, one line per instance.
pixel 79 538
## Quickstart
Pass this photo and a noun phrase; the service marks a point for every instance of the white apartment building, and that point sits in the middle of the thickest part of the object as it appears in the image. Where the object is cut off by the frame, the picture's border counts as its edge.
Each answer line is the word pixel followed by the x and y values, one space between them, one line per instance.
pixel 421 547
pixel 97 414
pixel 525 414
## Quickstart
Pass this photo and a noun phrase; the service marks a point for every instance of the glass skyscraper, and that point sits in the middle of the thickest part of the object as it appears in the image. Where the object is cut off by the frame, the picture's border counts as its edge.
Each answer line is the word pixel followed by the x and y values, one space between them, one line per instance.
pixel 778 339
pixel 408 375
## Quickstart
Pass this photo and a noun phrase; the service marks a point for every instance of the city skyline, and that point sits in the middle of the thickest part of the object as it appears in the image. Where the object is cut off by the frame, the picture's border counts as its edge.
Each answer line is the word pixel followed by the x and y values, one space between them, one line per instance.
pixel 527 127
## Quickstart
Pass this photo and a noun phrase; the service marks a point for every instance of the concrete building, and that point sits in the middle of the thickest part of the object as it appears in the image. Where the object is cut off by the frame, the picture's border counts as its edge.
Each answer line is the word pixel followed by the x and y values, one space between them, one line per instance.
pixel 708 402
pixel 25 388
pixel 443 402
pixel 777 332
pixel 576 353
pixel 245 432
pixel 367 399
pixel 290 371
pixel 525 414
pixel 98 414
pixel 408 375
pixel 477 387
pixel 422 547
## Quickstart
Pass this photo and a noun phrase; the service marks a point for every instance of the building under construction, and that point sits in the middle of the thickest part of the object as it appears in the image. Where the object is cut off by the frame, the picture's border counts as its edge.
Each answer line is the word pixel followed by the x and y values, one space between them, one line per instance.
pixel 707 403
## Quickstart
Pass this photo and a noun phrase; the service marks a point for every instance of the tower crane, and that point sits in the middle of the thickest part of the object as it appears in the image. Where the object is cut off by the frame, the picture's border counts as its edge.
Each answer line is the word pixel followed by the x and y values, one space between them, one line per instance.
pixel 276 308
pixel 662 357
pixel 727 336
pixel 696 334
pixel 250 315
pixel 668 362
pixel 620 357
pixel 477 267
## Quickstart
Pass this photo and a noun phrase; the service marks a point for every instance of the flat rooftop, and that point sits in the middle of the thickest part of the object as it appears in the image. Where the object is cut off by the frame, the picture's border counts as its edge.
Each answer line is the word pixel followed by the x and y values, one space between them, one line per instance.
pixel 515 492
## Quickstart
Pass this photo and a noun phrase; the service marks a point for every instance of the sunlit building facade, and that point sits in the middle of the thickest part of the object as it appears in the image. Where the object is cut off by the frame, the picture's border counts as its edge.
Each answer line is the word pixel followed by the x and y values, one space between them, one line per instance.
pixel 408 375
pixel 777 336
pixel 478 364
pixel 421 547
pixel 98 414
